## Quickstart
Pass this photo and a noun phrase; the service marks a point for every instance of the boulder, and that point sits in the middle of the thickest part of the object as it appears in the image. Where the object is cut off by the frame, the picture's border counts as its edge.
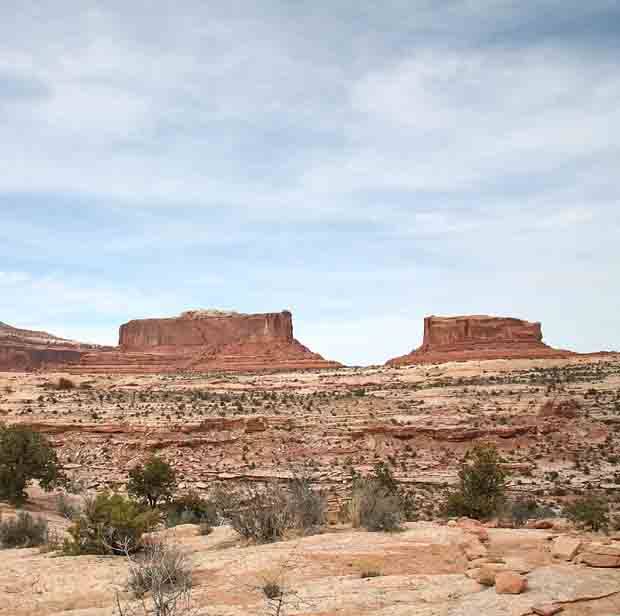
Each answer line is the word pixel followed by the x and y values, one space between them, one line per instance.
pixel 510 583
pixel 474 527
pixel 605 555
pixel 565 547
pixel 473 548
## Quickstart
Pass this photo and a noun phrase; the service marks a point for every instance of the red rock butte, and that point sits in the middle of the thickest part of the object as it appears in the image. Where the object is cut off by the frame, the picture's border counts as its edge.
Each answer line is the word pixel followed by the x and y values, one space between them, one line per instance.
pixel 205 341
pixel 478 337
pixel 24 349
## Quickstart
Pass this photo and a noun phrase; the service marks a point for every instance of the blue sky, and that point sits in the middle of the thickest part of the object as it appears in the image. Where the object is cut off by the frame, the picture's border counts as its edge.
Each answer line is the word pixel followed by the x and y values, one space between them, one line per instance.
pixel 363 164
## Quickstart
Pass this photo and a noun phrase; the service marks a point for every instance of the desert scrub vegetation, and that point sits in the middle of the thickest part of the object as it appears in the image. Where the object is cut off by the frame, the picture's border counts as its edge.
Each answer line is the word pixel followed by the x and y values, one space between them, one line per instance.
pixel 23 531
pixel 377 502
pixel 272 513
pixel 152 482
pixel 591 512
pixel 110 524
pixel 482 485
pixel 159 582
pixel 519 512
pixel 25 455
pixel 192 509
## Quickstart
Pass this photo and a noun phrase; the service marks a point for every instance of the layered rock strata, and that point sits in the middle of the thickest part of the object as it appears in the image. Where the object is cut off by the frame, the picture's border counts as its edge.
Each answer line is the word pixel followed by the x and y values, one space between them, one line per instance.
pixel 204 341
pixel 22 350
pixel 478 337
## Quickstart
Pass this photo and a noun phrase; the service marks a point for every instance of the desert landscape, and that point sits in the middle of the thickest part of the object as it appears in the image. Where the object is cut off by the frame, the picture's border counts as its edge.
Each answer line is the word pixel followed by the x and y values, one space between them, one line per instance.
pixel 551 417
pixel 309 308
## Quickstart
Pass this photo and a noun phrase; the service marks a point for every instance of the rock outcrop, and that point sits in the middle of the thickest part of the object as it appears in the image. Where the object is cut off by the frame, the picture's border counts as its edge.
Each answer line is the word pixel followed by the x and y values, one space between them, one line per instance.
pixel 203 341
pixel 22 349
pixel 465 338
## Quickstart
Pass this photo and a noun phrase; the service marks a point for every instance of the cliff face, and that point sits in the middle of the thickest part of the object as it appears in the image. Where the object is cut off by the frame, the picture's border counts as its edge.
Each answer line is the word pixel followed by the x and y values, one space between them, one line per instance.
pixel 205 330
pixel 478 337
pixel 22 349
pixel 206 341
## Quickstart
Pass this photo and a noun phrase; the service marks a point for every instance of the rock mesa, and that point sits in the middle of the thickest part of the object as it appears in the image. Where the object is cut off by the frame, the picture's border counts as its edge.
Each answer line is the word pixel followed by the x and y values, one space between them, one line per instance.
pixel 478 337
pixel 206 340
pixel 23 349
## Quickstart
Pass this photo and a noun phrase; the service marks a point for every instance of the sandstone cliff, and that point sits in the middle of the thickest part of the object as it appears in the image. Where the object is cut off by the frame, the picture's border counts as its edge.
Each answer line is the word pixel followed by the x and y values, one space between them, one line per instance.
pixel 206 340
pixel 22 349
pixel 478 337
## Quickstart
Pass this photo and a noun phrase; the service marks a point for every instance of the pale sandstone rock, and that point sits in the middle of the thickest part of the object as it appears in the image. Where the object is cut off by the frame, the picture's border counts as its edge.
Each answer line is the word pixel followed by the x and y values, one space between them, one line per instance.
pixel 565 547
pixel 547 609
pixel 510 583
pixel 474 527
pixel 599 560
pixel 474 549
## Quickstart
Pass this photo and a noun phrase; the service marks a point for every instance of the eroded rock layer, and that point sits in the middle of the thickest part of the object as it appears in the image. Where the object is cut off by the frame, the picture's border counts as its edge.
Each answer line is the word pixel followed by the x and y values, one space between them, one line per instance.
pixel 478 337
pixel 206 340
pixel 22 349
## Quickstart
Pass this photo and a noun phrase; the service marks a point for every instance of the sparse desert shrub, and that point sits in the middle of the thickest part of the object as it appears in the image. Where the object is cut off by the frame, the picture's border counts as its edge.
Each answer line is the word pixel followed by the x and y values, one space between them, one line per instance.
pixel 152 482
pixel 110 524
pixel 25 455
pixel 160 582
pixel 262 516
pixel 520 511
pixel 374 507
pixel 482 485
pixel 64 384
pixel 589 512
pixel 66 508
pixel 23 531
pixel 191 509
pixel 306 505
pixel 377 501
pixel 272 590
pixel 158 567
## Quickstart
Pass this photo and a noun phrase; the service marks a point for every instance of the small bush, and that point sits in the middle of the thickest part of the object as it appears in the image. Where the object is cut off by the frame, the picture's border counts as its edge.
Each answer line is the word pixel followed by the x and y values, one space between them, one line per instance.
pixel 589 512
pixel 191 509
pixel 374 507
pixel 159 568
pixel 152 482
pixel 25 455
pixel 306 506
pixel 482 485
pixel 272 590
pixel 65 508
pixel 521 511
pixel 262 516
pixel 24 531
pixel 64 384
pixel 110 524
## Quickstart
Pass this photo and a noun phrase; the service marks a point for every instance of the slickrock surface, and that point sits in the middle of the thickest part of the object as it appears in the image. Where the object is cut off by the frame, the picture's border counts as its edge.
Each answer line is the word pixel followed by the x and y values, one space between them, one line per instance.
pixel 206 341
pixel 419 572
pixel 478 337
pixel 22 349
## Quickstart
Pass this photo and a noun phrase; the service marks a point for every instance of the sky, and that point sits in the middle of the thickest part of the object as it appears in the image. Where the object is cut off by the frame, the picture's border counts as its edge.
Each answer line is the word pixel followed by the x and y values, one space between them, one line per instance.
pixel 362 164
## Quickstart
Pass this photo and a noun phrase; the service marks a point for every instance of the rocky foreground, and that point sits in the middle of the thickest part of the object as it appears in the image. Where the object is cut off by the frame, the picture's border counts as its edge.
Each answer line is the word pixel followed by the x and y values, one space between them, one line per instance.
pixel 456 569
